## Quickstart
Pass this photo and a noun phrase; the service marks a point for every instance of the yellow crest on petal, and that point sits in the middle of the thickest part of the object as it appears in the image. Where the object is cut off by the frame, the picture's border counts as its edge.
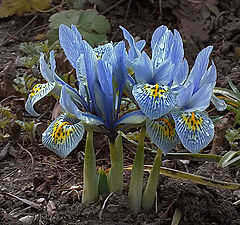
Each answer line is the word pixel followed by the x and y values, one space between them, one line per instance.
pixel 193 121
pixel 37 88
pixel 155 90
pixel 61 131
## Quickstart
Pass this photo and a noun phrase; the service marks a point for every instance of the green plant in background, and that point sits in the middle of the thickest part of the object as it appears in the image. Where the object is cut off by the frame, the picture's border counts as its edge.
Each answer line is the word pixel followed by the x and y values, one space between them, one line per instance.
pixel 19 7
pixel 79 4
pixel 93 27
pixel 5 121
pixel 33 50
pixel 24 84
pixel 30 127
pixel 232 98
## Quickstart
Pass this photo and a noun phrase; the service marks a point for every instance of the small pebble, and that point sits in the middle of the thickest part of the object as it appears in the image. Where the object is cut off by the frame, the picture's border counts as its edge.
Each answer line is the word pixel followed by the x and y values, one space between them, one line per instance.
pixel 26 220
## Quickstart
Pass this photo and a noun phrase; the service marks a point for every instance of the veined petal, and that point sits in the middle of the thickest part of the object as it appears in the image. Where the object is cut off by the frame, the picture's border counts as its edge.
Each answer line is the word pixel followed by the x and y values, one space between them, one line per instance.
pixel 44 69
pixel 90 61
pixel 157 35
pixel 209 76
pixel 184 95
pixel 162 48
pixel 200 66
pixel 104 52
pixel 140 45
pixel 143 69
pixel 131 53
pixel 200 100
pixel 177 52
pixel 105 79
pixel 49 73
pixel 38 92
pixel 80 69
pixel 135 117
pixel 70 41
pixel 162 133
pixel 120 72
pixel 195 129
pixel 181 74
pixel 63 134
pixel 154 100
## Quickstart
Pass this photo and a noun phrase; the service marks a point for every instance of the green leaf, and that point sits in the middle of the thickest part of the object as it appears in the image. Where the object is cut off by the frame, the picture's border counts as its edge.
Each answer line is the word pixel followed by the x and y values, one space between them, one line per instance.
pixel 19 7
pixel 234 88
pixel 233 162
pixel 226 92
pixel 67 17
pixel 226 158
pixel 192 177
pixel 92 26
pixel 102 182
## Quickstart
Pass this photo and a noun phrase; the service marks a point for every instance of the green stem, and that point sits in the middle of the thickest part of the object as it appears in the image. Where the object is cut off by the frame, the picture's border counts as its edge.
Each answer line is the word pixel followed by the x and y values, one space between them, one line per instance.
pixel 149 193
pixel 115 176
pixel 135 189
pixel 90 188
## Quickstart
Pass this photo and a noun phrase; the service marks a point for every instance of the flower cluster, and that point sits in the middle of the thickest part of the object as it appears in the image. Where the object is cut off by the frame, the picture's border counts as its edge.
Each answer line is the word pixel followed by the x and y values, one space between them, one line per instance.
pixel 171 100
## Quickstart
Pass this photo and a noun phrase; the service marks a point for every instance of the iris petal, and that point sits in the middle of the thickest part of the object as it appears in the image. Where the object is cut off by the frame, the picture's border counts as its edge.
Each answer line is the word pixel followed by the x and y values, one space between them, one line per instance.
pixel 143 69
pixel 70 41
pixel 162 133
pixel 135 52
pixel 162 48
pixel 220 104
pixel 157 35
pixel 38 92
pixel 200 66
pixel 195 129
pixel 154 100
pixel 135 117
pixel 63 135
pixel 69 106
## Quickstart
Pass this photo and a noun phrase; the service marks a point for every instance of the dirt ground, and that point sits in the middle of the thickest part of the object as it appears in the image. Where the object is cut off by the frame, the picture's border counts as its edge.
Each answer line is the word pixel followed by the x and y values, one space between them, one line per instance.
pixel 37 187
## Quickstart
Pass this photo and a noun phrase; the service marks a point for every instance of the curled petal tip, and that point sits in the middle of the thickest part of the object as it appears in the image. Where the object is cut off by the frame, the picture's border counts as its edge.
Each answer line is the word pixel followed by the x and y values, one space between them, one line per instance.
pixel 38 92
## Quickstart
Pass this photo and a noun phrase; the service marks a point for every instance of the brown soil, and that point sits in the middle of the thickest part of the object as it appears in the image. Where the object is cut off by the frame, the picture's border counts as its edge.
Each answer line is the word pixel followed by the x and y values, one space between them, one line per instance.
pixel 50 188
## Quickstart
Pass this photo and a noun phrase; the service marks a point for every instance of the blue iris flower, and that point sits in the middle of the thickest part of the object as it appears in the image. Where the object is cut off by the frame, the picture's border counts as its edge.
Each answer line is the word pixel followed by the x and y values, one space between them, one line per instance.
pixel 101 74
pixel 156 77
pixel 174 100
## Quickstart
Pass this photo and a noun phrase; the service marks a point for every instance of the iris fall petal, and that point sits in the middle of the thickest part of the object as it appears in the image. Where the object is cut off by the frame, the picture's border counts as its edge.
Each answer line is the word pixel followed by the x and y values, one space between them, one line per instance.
pixel 162 133
pixel 63 134
pixel 154 100
pixel 195 129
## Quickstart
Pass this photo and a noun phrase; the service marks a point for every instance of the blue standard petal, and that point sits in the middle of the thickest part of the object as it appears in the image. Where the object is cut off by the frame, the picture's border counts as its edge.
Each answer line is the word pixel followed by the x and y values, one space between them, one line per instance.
pixel 38 92
pixel 63 135
pixel 195 129
pixel 162 133
pixel 154 100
